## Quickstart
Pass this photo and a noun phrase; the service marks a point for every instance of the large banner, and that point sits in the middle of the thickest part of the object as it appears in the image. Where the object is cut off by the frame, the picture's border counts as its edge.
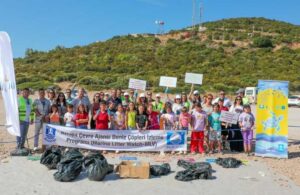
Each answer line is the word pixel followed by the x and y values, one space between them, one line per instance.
pixel 122 140
pixel 272 119
pixel 8 85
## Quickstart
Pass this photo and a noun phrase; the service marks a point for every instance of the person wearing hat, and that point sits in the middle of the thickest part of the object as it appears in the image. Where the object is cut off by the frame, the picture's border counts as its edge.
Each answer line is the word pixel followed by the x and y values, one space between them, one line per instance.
pixel 158 105
pixel 194 96
pixel 126 100
pixel 177 105
pixel 142 100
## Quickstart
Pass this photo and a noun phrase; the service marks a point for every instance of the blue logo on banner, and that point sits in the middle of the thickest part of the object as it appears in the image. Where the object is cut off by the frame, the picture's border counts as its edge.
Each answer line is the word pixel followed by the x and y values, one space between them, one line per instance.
pixel 50 134
pixel 175 138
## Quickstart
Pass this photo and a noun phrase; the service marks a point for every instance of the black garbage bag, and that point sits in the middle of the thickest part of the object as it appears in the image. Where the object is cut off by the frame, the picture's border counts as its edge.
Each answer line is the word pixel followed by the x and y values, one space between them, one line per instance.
pixel 72 154
pixel 158 170
pixel 97 166
pixel 68 170
pixel 228 162
pixel 193 171
pixel 51 157
pixel 20 152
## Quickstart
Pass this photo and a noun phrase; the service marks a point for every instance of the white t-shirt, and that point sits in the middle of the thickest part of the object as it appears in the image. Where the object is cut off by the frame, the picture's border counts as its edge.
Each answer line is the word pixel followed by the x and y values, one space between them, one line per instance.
pixel 69 117
pixel 227 102
pixel 176 108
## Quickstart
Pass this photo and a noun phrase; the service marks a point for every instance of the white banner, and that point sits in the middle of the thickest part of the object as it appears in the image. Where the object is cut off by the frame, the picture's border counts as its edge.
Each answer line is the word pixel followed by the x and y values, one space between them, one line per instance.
pixel 137 84
pixel 193 78
pixel 122 140
pixel 229 117
pixel 168 81
pixel 8 85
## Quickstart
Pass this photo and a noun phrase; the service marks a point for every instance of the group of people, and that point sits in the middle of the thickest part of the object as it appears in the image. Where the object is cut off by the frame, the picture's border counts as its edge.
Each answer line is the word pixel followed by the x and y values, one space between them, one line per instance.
pixel 128 110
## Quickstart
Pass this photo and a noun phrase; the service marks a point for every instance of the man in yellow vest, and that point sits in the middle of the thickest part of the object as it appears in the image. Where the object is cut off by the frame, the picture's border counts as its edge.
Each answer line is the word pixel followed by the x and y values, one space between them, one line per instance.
pixel 26 116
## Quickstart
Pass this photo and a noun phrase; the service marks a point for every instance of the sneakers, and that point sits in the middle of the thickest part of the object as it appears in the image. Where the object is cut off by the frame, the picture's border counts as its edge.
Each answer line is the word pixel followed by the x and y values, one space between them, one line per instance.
pixel 35 149
pixel 162 153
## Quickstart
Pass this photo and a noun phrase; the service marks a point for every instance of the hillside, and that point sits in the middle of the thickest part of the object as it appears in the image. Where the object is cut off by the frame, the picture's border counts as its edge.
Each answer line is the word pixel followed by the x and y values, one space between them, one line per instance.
pixel 231 53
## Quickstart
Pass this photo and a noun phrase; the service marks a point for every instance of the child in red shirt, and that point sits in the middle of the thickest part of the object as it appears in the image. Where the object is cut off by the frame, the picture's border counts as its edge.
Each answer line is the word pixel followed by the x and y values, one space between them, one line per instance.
pixel 152 118
pixel 101 118
pixel 81 118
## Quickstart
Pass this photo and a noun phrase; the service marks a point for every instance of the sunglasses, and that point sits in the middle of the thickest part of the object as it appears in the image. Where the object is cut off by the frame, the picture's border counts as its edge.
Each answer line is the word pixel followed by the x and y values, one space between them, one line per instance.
pixel 238 99
pixel 209 98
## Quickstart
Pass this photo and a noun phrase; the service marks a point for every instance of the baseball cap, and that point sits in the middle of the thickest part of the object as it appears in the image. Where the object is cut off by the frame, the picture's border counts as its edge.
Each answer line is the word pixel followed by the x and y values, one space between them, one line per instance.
pixel 157 95
pixel 142 95
pixel 196 92
pixel 177 97
pixel 126 94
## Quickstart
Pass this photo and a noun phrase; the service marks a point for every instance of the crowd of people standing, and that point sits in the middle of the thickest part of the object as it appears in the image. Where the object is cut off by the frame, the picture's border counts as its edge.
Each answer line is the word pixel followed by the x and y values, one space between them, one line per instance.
pixel 128 110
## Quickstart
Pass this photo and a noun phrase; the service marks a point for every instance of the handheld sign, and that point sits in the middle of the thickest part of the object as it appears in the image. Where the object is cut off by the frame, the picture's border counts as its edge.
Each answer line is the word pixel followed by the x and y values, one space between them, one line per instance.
pixel 137 84
pixel 229 117
pixel 193 78
pixel 168 81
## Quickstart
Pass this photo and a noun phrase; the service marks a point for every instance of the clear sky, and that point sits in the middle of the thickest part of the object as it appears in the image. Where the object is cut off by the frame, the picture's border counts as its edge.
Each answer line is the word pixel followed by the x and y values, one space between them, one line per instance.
pixel 44 24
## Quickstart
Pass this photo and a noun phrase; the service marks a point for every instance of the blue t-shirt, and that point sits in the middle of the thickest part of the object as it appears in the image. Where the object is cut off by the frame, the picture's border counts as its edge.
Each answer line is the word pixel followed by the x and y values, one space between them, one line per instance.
pixel 214 121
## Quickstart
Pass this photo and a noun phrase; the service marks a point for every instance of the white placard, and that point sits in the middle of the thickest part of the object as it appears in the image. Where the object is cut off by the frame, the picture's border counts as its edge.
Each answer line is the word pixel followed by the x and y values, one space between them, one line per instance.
pixel 168 81
pixel 193 78
pixel 137 84
pixel 152 140
pixel 229 117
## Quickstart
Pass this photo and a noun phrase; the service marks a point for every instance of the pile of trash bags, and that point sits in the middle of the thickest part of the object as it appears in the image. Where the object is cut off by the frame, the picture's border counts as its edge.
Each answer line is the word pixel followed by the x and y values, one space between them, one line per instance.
pixel 228 162
pixel 51 157
pixel 70 164
pixel 97 166
pixel 193 171
pixel 20 152
pixel 159 170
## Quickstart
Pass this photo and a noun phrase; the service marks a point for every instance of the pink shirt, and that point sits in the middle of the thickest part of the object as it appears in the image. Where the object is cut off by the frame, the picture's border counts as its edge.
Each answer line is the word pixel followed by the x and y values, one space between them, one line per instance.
pixel 184 119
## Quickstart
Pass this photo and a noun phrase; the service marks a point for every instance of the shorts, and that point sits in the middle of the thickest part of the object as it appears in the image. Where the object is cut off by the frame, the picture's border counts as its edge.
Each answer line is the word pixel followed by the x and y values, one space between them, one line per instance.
pixel 215 136
pixel 247 136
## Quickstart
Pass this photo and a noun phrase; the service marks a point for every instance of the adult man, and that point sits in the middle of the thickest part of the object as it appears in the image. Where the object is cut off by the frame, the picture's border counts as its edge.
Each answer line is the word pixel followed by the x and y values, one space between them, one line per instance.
pixel 26 116
pixel 126 100
pixel 158 104
pixel 42 109
pixel 227 102
pixel 114 98
pixel 149 97
pixel 69 99
pixel 81 99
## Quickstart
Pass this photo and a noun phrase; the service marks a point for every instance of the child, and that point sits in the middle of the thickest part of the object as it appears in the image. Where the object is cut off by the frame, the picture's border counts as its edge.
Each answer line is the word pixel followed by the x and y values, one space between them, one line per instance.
pixel 152 118
pixel 130 117
pixel 199 122
pixel 141 118
pixel 215 128
pixel 184 119
pixel 119 118
pixel 101 117
pixel 69 116
pixel 111 111
pixel 169 119
pixel 82 117
pixel 54 115
pixel 246 121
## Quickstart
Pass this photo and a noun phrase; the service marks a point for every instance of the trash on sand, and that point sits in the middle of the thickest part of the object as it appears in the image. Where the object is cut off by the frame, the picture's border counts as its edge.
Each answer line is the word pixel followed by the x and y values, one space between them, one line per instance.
pixel 127 158
pixel 97 166
pixel 198 170
pixel 68 170
pixel 20 152
pixel 228 162
pixel 131 169
pixel 159 170
pixel 34 158
pixel 210 160
pixel 51 157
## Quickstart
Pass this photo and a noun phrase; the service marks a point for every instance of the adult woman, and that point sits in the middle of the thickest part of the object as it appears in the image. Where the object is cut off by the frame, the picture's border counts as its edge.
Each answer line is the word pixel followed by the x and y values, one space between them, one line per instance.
pixel 94 108
pixel 208 107
pixel 62 107
pixel 142 101
pixel 185 102
pixel 235 135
